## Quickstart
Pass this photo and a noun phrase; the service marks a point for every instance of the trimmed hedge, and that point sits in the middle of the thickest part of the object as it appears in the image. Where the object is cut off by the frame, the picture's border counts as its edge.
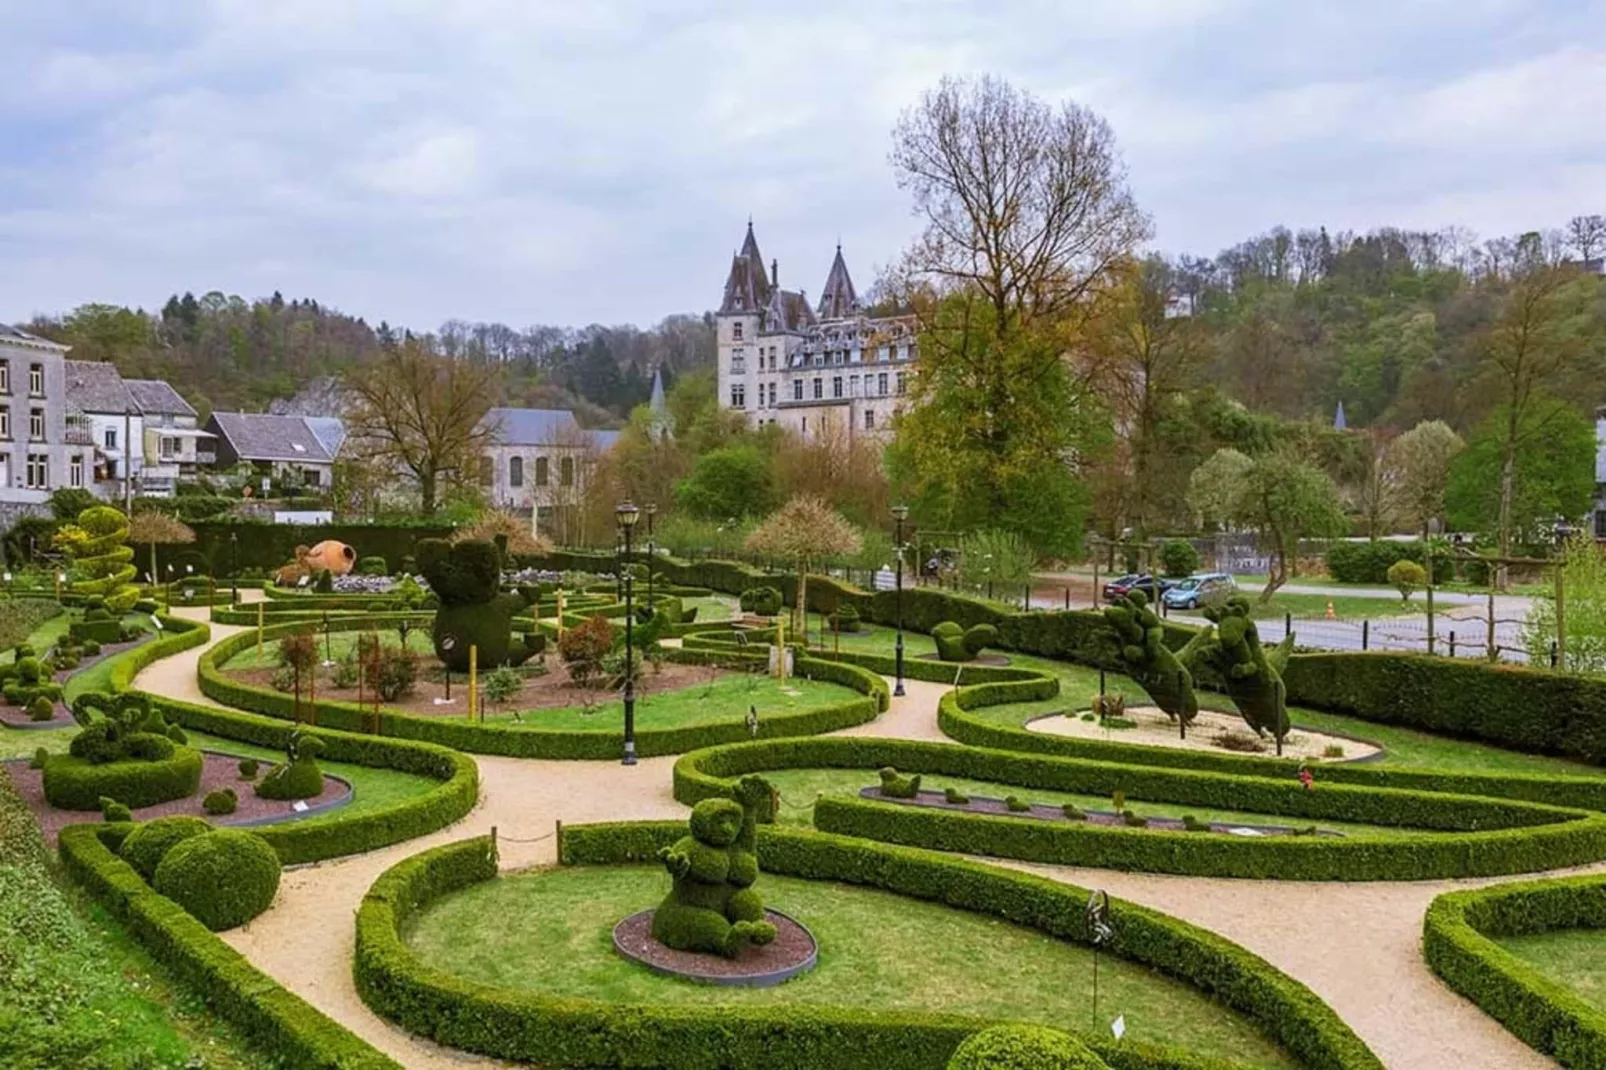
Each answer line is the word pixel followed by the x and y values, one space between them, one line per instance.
pixel 530 742
pixel 1470 835
pixel 75 784
pixel 1549 1016
pixel 280 1022
pixel 223 878
pixel 150 841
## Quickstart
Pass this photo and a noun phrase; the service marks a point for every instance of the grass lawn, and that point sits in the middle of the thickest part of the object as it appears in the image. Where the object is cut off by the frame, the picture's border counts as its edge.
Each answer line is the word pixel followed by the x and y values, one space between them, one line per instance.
pixel 333 647
pixel 373 788
pixel 98 677
pixel 550 931
pixel 725 699
pixel 711 609
pixel 1345 607
pixel 1572 957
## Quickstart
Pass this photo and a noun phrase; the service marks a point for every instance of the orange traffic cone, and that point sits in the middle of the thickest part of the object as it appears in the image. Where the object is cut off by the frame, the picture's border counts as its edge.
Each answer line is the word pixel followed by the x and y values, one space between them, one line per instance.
pixel 1330 614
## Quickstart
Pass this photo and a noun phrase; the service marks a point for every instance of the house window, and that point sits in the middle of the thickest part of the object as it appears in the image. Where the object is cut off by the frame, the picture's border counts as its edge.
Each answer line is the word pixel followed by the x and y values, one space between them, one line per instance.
pixel 5 423
pixel 540 471
pixel 111 438
pixel 168 448
pixel 881 353
pixel 797 390
pixel 515 472
pixel 772 395
pixel 736 331
pixel 836 386
pixel 75 471
pixel 869 419
pixel 487 470
pixel 819 389
pixel 738 396
pixel 903 384
pixel 566 471
pixel 738 363
pixel 36 379
pixel 838 356
pixel 881 384
pixel 819 359
pixel 5 377
pixel 36 424
pixel 38 471
pixel 853 386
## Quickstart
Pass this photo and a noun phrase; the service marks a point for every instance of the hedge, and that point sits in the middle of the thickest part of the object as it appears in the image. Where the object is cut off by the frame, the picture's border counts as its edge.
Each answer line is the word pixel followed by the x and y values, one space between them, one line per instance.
pixel 1470 836
pixel 1368 562
pixel 75 784
pixel 281 1023
pixel 1549 1016
pixel 270 546
pixel 522 1025
pixel 532 742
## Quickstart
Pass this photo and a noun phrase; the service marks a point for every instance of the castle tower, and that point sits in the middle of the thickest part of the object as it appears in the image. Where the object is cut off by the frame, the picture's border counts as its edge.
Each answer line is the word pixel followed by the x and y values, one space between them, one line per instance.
pixel 740 317
pixel 838 300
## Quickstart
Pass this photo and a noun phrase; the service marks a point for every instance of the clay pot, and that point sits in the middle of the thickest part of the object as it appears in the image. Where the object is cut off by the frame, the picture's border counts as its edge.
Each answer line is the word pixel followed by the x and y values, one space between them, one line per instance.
pixel 337 557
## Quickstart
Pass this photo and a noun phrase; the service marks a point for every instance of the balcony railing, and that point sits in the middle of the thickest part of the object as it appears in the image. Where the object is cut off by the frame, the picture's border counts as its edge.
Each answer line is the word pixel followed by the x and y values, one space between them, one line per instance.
pixel 206 457
pixel 78 436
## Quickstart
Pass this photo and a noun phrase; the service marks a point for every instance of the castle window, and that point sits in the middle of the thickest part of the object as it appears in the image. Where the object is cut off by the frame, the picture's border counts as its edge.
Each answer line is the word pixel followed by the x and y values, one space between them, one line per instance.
pixel 738 364
pixel 36 424
pixel 881 353
pixel 819 388
pixel 5 377
pixel 515 472
pixel 738 395
pixel 566 471
pixel 736 331
pixel 903 384
pixel 75 471
pixel 869 419
pixel 836 386
pixel 772 398
pixel 881 384
pixel 797 390
pixel 36 379
pixel 487 470
pixel 541 468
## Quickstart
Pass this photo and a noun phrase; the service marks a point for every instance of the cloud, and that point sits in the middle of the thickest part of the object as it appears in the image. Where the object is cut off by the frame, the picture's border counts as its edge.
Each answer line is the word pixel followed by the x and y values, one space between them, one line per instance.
pixel 496 159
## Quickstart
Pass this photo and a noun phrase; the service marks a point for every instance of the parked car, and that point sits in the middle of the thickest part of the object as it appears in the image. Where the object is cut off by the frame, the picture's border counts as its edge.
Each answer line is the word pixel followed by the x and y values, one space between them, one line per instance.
pixel 1195 591
pixel 1137 581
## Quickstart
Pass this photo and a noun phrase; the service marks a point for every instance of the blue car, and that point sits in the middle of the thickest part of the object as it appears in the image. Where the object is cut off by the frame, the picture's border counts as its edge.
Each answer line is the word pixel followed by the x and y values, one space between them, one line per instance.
pixel 1195 591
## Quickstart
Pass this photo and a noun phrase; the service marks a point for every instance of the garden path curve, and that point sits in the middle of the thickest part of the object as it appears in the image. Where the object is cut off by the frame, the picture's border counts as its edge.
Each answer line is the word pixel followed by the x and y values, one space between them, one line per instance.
pixel 1356 945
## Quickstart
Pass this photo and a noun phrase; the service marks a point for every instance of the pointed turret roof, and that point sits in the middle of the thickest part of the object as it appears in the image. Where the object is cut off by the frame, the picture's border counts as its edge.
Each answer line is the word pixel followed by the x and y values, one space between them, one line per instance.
pixel 1339 423
pixel 838 300
pixel 656 403
pixel 747 288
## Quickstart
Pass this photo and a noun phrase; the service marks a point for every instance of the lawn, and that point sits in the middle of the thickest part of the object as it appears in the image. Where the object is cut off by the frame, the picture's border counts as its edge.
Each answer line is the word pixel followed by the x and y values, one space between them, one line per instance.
pixel 799 787
pixel 98 677
pixel 550 931
pixel 372 788
pixel 726 698
pixel 1572 957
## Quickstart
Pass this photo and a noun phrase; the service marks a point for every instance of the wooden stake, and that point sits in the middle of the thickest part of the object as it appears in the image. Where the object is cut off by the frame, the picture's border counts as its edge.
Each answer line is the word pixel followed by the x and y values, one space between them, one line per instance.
pixel 473 678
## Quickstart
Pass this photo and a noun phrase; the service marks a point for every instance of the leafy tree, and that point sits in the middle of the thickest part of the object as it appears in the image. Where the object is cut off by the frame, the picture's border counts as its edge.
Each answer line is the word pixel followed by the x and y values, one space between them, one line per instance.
pixel 1000 557
pixel 805 529
pixel 1584 588
pixel 1552 475
pixel 733 481
pixel 1418 463
pixel 68 502
pixel 1407 576
pixel 1216 487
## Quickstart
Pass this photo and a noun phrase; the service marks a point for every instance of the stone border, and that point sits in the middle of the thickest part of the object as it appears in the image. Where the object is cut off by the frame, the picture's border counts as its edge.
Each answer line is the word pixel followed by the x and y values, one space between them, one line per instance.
pixel 758 979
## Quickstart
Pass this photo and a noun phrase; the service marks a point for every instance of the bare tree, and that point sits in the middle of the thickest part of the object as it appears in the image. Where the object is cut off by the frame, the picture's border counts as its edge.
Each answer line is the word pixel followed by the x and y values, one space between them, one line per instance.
pixel 424 412
pixel 1024 203
pixel 1586 234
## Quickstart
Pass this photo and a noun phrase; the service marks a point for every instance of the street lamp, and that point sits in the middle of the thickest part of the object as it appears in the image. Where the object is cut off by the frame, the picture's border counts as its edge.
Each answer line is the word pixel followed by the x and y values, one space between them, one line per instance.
pixel 652 510
pixel 627 515
pixel 234 567
pixel 900 513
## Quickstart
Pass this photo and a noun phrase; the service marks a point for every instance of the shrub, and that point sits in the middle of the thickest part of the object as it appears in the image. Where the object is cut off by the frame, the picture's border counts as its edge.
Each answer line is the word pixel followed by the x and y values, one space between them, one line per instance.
pixel 895 786
pixel 176 735
pixel 1016 805
pixel 248 768
pixel 299 777
pixel 397 673
pixel 72 783
pixel 112 810
pixel 1024 1047
pixel 1178 558
pixel 372 566
pixel 298 651
pixel 345 674
pixel 224 878
pixel 955 643
pixel 1406 576
pixel 1072 813
pixel 956 797
pixel 584 647
pixel 219 803
pixel 1368 562
pixel 761 601
pixel 846 619
pixel 40 756
pixel 41 709
pixel 149 843
pixel 325 583
pixel 502 684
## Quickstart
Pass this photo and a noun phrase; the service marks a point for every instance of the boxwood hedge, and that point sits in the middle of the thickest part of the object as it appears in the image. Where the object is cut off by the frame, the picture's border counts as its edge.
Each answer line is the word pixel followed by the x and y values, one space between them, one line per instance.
pixel 75 784
pixel 522 1025
pixel 1549 1016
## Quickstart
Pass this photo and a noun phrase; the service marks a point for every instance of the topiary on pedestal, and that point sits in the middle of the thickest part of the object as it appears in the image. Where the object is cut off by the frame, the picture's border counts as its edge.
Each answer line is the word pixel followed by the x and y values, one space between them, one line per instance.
pixel 122 752
pixel 224 878
pixel 299 777
pixel 1252 677
pixel 466 578
pixel 1024 1047
pixel 712 905
pixel 955 643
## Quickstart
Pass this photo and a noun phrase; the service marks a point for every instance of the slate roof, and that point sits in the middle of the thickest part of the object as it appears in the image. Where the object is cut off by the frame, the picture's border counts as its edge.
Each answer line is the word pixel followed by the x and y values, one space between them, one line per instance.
pixel 18 335
pixel 747 288
pixel 158 396
pixel 602 441
pixel 839 299
pixel 258 436
pixel 788 311
pixel 534 427
pixel 95 386
pixel 331 431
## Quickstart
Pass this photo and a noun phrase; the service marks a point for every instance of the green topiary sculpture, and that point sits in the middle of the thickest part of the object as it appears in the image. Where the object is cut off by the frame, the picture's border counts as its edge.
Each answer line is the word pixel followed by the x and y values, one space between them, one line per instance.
pixel 224 878
pixel 1157 669
pixel 712 905
pixel 1252 677
pixel 299 777
pixel 98 543
pixel 466 578
pixel 112 810
pixel 959 644
pixel 762 601
pixel 896 786
pixel 148 844
pixel 118 729
pixel 1024 1047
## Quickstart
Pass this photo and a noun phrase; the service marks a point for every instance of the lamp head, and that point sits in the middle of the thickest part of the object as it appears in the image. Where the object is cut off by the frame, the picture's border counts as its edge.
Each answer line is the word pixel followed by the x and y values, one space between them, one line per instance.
pixel 627 514
pixel 900 513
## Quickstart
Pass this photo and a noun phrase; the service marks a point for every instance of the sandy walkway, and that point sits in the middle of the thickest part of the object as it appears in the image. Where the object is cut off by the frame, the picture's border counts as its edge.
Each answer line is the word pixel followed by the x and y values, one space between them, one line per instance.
pixel 1356 945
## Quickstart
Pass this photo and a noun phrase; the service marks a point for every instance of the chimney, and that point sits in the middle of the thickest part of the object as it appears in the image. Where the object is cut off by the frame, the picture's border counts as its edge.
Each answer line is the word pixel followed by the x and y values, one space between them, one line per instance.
pixel 775 274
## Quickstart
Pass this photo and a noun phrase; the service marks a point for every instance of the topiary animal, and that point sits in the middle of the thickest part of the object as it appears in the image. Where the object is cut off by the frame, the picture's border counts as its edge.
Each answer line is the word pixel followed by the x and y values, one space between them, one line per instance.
pixel 149 843
pixel 224 878
pixel 896 786
pixel 962 644
pixel 1252 677
pixel 1157 669
pixel 299 777
pixel 117 729
pixel 763 601
pixel 40 756
pixel 41 709
pixel 1024 1047
pixel 112 810
pixel 466 578
pixel 712 905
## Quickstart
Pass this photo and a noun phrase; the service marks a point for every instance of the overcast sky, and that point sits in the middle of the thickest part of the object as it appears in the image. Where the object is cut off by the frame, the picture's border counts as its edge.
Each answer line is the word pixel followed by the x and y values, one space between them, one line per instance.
pixel 582 161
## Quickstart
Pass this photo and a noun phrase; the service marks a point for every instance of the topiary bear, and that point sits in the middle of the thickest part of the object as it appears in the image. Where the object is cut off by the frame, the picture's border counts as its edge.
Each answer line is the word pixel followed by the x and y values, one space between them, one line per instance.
pixel 1253 678
pixel 896 786
pixel 466 578
pixel 1157 669
pixel 117 729
pixel 712 905
pixel 959 644
pixel 762 601
pixel 299 777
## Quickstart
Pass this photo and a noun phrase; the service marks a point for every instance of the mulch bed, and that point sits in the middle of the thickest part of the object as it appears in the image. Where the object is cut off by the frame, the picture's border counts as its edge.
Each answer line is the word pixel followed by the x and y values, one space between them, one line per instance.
pixel 792 952
pixel 219 771
pixel 553 691
pixel 1043 812
pixel 17 716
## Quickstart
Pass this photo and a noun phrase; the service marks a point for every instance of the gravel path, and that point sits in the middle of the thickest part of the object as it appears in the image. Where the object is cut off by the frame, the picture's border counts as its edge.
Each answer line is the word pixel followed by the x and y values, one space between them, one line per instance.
pixel 1356 945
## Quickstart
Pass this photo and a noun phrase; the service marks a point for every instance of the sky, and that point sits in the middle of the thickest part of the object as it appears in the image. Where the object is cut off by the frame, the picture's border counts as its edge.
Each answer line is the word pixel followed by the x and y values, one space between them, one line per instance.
pixel 531 161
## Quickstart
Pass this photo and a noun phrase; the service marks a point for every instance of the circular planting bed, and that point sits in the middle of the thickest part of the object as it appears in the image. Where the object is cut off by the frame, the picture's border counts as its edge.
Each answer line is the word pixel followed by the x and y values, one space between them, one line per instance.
pixel 793 951
pixel 1212 730
pixel 72 783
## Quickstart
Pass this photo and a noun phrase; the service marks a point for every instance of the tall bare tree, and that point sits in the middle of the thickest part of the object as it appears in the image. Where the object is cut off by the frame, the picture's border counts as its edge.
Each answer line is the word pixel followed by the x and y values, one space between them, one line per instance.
pixel 423 412
pixel 1587 236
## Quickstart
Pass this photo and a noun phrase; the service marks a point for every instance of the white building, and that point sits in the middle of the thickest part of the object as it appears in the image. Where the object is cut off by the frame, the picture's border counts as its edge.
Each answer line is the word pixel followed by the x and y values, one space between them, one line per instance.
pixel 806 368
pixel 41 448
pixel 538 461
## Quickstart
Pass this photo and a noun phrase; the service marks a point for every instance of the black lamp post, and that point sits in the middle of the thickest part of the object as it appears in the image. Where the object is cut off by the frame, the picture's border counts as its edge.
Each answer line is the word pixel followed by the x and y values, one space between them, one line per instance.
pixel 234 567
pixel 627 515
pixel 652 509
pixel 900 513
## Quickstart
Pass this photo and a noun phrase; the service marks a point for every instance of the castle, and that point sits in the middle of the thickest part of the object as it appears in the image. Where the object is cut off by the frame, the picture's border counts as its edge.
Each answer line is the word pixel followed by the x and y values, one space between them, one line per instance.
pixel 829 368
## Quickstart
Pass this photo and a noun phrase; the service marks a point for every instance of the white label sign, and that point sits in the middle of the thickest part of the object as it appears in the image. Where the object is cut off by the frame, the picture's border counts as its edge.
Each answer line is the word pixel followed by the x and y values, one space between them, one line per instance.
pixel 1118 1027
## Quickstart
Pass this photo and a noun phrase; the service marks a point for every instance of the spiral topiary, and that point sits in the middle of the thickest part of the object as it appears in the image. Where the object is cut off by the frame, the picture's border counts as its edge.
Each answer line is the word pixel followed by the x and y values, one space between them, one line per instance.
pixel 148 844
pixel 224 878
pixel 99 546
pixel 1024 1047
